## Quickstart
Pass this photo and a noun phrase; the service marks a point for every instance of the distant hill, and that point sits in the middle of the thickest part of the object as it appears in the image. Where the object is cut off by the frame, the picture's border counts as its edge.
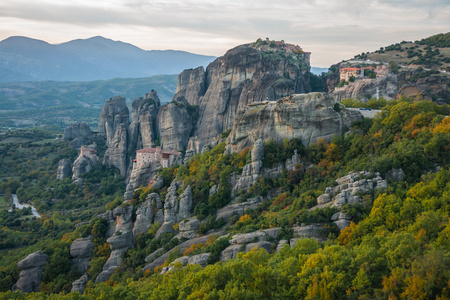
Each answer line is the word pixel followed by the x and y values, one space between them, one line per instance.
pixel 43 94
pixel 431 53
pixel 318 71
pixel 417 69
pixel 96 58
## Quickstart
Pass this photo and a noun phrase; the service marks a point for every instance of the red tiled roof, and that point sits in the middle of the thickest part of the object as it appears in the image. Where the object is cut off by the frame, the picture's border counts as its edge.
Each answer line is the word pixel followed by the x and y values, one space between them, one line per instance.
pixel 349 69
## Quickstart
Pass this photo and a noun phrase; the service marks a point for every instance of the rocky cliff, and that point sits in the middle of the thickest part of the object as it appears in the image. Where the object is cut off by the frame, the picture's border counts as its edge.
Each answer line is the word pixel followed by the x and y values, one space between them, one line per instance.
pixel 191 86
pixel 113 125
pixel 386 87
pixel 243 75
pixel 63 169
pixel 174 126
pixel 32 267
pixel 81 251
pixel 144 112
pixel 86 160
pixel 119 242
pixel 308 117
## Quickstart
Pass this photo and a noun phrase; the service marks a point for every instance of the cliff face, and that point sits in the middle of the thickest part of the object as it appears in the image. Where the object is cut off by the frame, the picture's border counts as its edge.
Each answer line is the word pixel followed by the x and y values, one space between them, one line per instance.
pixel 304 116
pixel 113 125
pixel 174 126
pixel 114 113
pixel 144 112
pixel 386 87
pixel 243 75
pixel 31 268
pixel 191 85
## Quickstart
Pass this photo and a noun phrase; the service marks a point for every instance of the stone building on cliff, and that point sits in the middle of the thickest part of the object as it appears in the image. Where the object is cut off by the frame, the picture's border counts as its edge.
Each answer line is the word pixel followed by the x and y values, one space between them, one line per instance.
pixel 346 73
pixel 166 158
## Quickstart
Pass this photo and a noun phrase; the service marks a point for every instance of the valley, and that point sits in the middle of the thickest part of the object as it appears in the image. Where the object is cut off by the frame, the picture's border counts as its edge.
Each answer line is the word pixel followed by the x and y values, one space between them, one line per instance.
pixel 255 180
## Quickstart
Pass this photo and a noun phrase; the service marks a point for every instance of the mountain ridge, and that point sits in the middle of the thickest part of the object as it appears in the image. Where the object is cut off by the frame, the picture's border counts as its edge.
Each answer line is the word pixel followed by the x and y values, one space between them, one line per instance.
pixel 95 58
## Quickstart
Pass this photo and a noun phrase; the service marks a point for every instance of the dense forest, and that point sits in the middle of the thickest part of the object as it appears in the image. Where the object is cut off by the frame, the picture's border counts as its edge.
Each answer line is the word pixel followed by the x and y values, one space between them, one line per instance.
pixel 397 246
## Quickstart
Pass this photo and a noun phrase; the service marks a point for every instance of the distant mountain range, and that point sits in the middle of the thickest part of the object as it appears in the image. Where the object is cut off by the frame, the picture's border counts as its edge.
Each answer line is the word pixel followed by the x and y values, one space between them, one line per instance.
pixel 318 71
pixel 96 58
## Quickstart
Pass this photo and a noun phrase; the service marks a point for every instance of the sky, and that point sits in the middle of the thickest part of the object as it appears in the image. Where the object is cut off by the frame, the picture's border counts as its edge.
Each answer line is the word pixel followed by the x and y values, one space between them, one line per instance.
pixel 332 30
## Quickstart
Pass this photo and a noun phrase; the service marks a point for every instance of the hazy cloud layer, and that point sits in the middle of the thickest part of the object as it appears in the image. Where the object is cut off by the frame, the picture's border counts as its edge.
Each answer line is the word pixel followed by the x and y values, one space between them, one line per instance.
pixel 331 30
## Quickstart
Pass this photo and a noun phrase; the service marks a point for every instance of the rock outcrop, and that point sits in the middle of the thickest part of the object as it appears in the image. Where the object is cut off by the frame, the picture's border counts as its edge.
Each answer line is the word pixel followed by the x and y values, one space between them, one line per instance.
pixel 114 113
pixel 117 152
pixel 182 247
pixel 348 191
pixel 64 169
pixel 386 86
pixel 80 284
pixel 251 171
pixel 119 242
pixel 86 160
pixel 308 117
pixel 225 213
pixel 81 251
pixel 245 242
pixel 341 220
pixel 79 130
pixel 315 231
pixel 243 75
pixel 199 259
pixel 113 125
pixel 148 213
pixel 188 228
pixel 176 208
pixel 191 86
pixel 32 267
pixel 174 126
pixel 143 129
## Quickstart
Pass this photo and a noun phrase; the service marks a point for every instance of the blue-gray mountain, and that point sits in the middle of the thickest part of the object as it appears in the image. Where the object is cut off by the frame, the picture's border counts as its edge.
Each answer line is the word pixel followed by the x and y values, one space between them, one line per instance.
pixel 96 58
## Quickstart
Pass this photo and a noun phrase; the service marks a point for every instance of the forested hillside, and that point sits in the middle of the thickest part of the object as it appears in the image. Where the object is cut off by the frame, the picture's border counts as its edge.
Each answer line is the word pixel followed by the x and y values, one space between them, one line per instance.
pixel 396 246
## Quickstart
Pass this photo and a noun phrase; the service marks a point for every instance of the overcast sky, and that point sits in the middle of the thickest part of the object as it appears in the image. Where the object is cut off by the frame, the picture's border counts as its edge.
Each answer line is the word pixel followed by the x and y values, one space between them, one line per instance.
pixel 331 30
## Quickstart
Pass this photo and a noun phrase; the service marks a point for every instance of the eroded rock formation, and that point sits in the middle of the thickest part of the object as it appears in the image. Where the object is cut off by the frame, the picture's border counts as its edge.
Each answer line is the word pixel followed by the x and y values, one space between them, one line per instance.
pixel 86 160
pixel 81 251
pixel 174 126
pixel 78 130
pixel 308 117
pixel 119 242
pixel 386 86
pixel 64 169
pixel 32 267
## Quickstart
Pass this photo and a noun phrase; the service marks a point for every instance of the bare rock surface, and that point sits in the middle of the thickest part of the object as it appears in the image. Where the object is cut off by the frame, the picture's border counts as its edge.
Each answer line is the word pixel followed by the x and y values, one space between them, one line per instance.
pixel 81 251
pixel 191 85
pixel 228 211
pixel 114 113
pixel 242 76
pixel 174 125
pixel 86 161
pixel 307 117
pixel 183 246
pixel 31 267
pixel 316 231
pixel 64 169
pixel 386 87
pixel 77 130
pixel 119 242
pixel 80 284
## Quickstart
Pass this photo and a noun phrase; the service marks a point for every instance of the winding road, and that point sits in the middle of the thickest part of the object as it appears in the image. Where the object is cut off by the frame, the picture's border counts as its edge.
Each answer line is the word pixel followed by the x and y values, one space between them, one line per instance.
pixel 21 206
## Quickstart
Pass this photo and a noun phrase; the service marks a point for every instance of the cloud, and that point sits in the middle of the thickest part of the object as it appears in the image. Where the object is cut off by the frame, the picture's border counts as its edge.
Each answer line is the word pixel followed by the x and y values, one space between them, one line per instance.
pixel 332 30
